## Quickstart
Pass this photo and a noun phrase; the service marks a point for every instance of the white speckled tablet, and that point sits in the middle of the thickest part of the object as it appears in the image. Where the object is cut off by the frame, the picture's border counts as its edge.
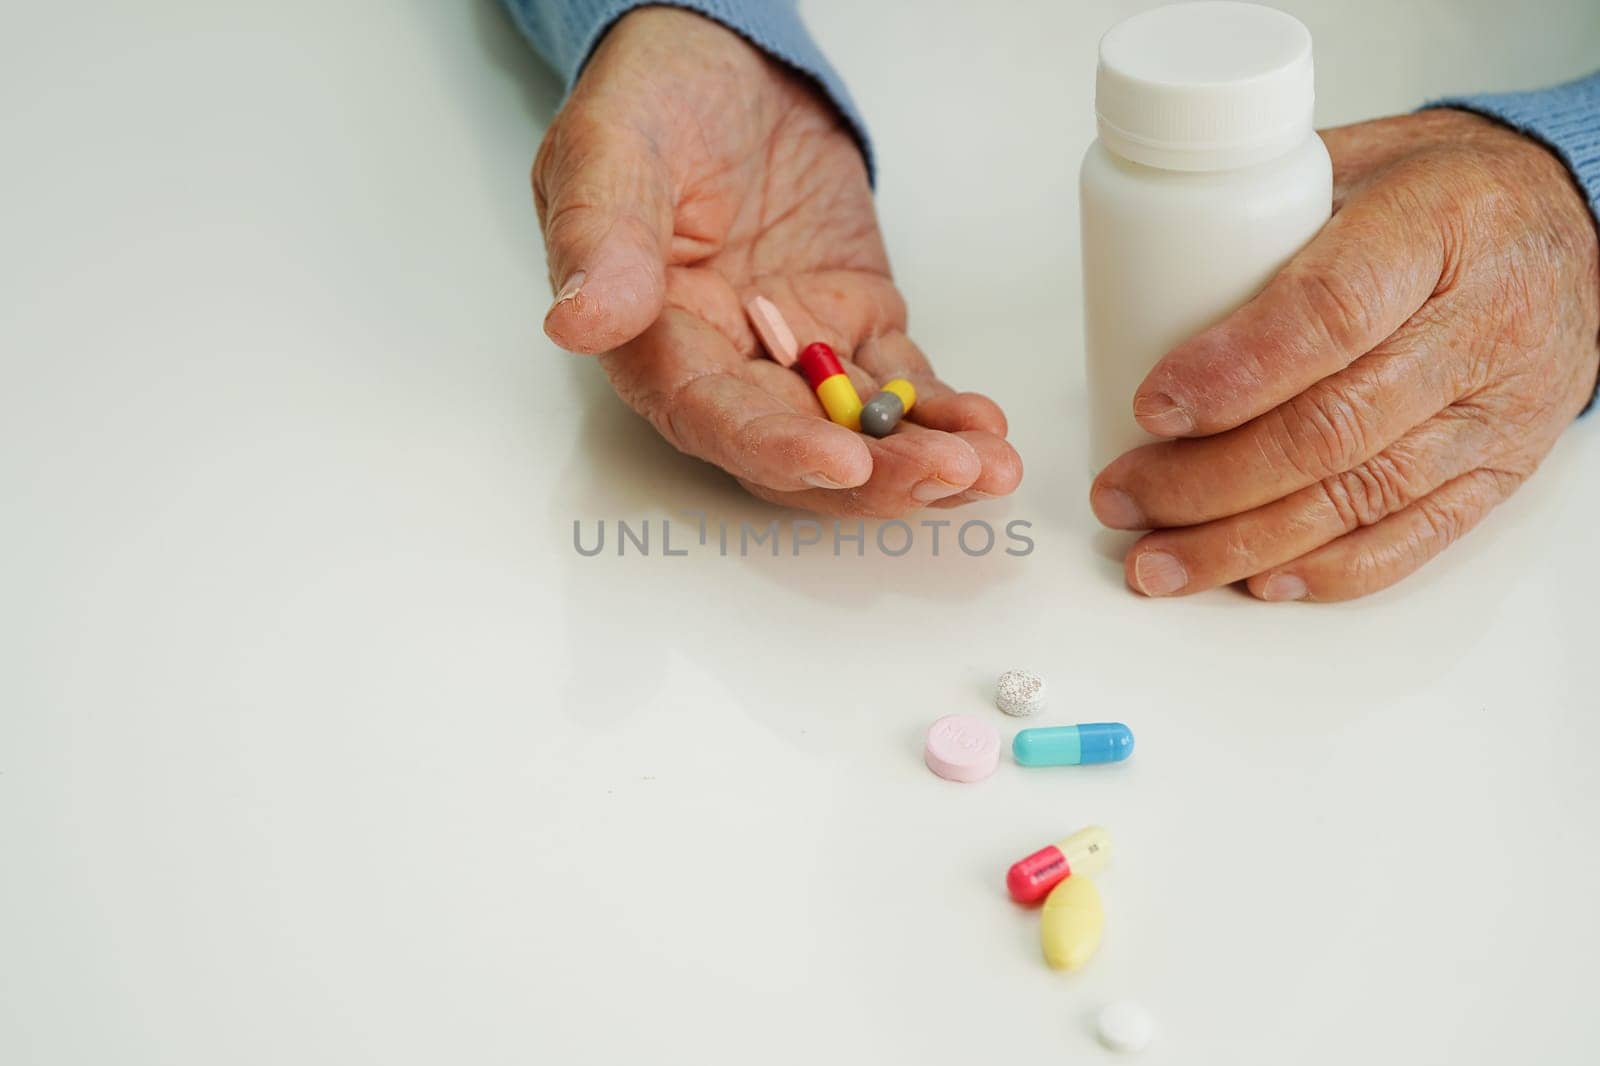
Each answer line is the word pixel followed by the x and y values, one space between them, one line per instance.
pixel 1125 1026
pixel 1019 693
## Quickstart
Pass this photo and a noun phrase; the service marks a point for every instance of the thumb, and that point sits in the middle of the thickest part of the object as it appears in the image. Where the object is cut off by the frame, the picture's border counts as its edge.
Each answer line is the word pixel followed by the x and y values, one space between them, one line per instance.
pixel 1359 280
pixel 606 208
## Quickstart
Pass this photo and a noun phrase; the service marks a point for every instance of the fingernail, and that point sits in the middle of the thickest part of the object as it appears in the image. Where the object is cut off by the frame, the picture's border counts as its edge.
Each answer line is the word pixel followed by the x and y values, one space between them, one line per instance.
pixel 1161 415
pixel 821 481
pixel 570 289
pixel 970 496
pixel 1283 587
pixel 933 489
pixel 1116 509
pixel 1159 573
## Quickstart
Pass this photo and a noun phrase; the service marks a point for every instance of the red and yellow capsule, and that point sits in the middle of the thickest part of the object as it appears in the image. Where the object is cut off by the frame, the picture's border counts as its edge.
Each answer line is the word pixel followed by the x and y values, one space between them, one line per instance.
pixel 831 384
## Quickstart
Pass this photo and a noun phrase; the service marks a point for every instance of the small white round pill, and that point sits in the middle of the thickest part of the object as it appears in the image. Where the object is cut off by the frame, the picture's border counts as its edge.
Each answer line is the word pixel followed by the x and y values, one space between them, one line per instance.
pixel 1019 693
pixel 1125 1026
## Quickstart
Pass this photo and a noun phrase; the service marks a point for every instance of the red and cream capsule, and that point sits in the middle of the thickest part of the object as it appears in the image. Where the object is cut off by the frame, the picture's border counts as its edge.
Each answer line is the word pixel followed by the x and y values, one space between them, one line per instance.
pixel 831 384
pixel 1084 852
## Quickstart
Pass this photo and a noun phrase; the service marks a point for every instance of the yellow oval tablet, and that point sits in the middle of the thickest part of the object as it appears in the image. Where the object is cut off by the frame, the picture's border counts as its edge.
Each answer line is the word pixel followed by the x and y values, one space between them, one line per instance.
pixel 1071 923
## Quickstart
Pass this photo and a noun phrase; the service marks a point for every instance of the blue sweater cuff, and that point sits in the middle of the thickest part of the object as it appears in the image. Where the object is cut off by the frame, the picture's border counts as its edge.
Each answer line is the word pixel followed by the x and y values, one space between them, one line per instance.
pixel 1566 118
pixel 565 33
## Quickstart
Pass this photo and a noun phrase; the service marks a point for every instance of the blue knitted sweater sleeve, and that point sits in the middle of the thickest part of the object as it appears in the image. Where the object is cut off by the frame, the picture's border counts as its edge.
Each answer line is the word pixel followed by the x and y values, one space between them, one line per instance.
pixel 565 32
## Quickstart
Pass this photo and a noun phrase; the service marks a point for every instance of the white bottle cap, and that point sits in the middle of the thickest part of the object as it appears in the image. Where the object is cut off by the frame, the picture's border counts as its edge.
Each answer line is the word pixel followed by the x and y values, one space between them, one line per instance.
pixel 1204 86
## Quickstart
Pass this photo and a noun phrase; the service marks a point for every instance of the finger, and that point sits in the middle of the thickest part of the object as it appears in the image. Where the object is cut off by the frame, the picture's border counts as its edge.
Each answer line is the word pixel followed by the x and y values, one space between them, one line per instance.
pixel 753 436
pixel 1368 271
pixel 894 355
pixel 684 377
pixel 1333 426
pixel 1377 556
pixel 910 469
pixel 1000 465
pixel 605 204
pixel 1002 469
pixel 1179 562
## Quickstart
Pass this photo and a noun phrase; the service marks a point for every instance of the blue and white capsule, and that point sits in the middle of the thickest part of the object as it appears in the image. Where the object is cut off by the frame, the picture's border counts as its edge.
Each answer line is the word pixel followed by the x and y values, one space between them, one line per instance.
pixel 1073 745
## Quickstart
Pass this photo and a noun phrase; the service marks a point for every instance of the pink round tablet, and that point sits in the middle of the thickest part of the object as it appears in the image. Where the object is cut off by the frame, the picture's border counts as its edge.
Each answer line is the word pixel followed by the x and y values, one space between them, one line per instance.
pixel 962 747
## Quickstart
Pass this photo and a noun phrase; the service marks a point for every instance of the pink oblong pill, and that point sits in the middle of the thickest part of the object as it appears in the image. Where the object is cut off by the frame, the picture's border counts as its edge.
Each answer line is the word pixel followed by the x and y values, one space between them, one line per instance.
pixel 774 332
pixel 962 747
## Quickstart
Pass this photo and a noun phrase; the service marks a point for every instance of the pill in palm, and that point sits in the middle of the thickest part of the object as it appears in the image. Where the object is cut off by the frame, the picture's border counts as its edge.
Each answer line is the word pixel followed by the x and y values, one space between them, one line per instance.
pixel 1019 693
pixel 828 380
pixel 962 747
pixel 1071 745
pixel 883 412
pixel 776 336
pixel 1125 1026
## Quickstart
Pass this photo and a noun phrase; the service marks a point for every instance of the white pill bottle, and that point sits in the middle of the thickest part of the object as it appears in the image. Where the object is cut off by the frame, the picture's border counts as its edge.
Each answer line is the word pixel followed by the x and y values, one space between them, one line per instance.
pixel 1206 177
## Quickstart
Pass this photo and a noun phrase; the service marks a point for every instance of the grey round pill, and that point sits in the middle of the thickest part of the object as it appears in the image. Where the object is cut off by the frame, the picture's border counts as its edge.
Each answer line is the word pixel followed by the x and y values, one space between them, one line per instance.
pixel 881 414
pixel 1019 693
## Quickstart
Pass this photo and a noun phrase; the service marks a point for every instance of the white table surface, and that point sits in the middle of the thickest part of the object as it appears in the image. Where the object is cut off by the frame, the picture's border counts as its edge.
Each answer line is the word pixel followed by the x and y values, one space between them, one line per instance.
pixel 319 743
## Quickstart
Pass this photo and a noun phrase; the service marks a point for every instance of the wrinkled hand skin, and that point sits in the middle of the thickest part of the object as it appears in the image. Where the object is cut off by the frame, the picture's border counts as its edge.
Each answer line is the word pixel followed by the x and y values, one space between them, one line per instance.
pixel 1405 373
pixel 688 172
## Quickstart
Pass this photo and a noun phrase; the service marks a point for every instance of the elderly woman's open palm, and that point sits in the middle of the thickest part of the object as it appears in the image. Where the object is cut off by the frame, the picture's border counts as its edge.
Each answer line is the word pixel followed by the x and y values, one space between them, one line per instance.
pixel 689 172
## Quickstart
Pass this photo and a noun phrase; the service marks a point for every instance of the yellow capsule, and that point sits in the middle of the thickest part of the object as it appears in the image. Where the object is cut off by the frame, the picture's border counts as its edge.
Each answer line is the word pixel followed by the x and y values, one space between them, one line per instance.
pixel 903 389
pixel 841 401
pixel 1071 923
